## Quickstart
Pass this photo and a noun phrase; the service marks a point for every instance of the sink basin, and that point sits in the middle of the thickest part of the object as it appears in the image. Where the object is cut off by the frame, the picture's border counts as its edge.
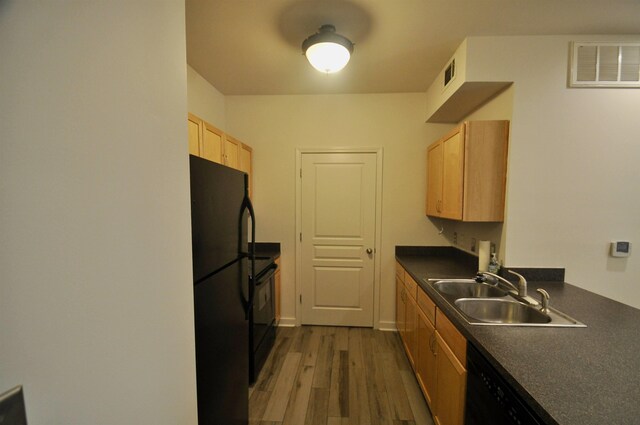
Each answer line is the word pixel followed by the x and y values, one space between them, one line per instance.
pixel 484 304
pixel 467 288
pixel 501 311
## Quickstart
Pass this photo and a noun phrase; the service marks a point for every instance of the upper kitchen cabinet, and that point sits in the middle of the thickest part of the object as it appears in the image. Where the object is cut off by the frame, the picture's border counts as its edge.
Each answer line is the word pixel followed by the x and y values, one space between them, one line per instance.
pixel 466 172
pixel 232 152
pixel 209 142
pixel 194 125
pixel 464 84
pixel 212 142
pixel 205 140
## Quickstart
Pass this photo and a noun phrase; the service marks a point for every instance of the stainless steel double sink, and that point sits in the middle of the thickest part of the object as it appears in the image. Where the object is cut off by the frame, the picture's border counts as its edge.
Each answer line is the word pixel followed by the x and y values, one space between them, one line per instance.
pixel 484 304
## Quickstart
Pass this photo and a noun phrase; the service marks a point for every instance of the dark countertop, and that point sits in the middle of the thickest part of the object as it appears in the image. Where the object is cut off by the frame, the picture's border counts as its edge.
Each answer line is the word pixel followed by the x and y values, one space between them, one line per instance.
pixel 568 376
pixel 266 254
pixel 268 249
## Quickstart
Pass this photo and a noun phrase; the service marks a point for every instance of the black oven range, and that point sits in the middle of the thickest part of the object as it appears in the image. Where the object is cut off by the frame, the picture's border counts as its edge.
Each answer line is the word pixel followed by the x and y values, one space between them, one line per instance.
pixel 262 329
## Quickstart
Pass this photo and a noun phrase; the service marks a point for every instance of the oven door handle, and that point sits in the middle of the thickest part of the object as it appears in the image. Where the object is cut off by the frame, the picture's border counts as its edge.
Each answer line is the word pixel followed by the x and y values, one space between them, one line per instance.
pixel 266 274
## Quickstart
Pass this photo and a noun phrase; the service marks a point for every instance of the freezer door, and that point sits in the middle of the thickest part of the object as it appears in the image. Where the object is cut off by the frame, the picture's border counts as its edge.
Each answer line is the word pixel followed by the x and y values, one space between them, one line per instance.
pixel 218 219
pixel 222 347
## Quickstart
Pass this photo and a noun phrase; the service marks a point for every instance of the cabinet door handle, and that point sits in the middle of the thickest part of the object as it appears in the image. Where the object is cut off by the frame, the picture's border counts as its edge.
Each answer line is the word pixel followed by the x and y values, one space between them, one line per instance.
pixel 431 341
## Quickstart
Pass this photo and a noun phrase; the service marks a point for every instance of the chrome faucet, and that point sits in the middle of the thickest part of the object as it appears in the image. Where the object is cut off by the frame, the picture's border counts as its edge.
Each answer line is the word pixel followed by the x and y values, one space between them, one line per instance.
pixel 521 289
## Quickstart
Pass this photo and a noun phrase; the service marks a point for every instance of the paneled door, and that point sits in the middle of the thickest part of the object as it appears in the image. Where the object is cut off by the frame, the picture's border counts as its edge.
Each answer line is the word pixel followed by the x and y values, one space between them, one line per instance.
pixel 338 214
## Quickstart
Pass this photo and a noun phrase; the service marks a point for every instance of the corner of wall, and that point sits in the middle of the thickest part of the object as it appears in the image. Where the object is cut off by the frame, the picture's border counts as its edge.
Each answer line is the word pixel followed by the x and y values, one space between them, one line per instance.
pixel 205 101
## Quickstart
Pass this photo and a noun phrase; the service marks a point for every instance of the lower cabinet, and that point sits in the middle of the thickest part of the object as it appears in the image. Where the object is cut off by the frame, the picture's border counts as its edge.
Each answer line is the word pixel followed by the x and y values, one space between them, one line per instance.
pixel 406 310
pixel 450 387
pixel 426 363
pixel 410 328
pixel 277 290
pixel 400 307
pixel 436 350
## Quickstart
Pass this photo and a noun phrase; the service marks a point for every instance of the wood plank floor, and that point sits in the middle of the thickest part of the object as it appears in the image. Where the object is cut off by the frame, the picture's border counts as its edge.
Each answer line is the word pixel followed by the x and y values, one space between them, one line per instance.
pixel 318 375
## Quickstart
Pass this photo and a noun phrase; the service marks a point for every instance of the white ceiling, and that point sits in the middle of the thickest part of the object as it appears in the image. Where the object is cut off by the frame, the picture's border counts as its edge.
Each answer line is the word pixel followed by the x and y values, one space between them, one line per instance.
pixel 253 46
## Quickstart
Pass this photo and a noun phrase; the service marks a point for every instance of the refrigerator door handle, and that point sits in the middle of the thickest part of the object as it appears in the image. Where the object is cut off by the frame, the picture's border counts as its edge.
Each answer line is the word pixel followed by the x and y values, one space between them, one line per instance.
pixel 247 205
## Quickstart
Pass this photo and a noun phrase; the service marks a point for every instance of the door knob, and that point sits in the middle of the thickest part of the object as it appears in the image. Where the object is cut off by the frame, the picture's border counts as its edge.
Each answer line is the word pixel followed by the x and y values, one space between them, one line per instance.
pixel 369 250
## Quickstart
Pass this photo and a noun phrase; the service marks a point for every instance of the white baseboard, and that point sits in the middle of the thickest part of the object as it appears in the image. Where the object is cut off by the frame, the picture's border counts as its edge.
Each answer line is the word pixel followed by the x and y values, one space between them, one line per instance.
pixel 387 326
pixel 290 322
pixel 287 322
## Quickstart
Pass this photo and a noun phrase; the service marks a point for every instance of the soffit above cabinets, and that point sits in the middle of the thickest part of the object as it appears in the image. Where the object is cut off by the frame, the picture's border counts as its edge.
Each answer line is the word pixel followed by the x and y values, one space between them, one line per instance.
pixel 466 99
pixel 455 92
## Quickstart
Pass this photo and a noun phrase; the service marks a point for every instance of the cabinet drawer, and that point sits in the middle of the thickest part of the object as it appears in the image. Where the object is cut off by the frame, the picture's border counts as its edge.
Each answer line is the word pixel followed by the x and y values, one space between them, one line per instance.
pixel 411 285
pixel 399 271
pixel 454 339
pixel 427 306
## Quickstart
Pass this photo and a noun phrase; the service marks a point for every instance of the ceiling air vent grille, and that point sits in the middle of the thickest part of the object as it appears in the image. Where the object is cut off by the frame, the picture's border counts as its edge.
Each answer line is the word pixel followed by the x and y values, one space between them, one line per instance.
pixel 605 65
pixel 449 73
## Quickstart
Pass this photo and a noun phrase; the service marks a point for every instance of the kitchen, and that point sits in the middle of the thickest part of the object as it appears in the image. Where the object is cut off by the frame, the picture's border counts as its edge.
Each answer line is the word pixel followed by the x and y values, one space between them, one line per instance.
pixel 65 316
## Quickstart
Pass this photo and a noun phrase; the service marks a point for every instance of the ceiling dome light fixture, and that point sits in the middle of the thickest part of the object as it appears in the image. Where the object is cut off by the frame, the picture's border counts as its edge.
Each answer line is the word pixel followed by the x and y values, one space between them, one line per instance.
pixel 327 51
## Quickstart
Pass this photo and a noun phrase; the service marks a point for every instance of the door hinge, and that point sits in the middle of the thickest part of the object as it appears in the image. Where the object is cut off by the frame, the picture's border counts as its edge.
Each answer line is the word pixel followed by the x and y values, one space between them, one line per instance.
pixel 300 298
pixel 300 236
pixel 301 173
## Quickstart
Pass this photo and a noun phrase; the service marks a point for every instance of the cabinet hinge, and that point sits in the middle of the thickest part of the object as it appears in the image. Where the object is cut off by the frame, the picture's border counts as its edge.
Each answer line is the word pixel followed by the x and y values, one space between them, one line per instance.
pixel 300 298
pixel 300 236
pixel 301 173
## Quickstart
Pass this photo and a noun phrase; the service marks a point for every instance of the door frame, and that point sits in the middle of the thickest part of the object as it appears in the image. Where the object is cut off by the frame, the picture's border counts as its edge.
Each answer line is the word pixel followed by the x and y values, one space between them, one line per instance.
pixel 377 231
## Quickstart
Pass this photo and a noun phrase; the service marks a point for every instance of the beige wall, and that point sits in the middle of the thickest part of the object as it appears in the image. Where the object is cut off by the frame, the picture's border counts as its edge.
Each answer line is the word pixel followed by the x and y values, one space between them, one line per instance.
pixel 573 179
pixel 276 125
pixel 498 108
pixel 204 100
pixel 96 302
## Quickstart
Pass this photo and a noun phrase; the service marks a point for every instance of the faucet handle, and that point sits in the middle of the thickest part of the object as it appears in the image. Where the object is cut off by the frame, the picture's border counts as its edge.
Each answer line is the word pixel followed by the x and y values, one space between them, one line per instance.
pixel 522 284
pixel 544 301
pixel 521 279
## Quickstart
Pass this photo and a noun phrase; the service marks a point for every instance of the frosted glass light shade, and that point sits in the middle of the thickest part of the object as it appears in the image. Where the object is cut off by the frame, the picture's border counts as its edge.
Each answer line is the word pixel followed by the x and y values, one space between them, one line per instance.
pixel 328 57
pixel 327 51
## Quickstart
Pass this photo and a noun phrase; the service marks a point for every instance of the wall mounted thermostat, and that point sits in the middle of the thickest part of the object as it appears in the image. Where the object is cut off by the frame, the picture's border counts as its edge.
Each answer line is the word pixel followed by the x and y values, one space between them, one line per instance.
pixel 620 248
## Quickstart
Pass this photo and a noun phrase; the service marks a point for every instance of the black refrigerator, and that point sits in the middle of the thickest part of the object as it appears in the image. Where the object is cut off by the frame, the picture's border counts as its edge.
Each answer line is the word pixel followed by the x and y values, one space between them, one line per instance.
pixel 220 215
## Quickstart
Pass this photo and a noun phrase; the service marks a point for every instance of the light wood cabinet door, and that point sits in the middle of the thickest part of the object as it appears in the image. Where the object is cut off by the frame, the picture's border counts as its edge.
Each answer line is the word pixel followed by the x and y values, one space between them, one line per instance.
pixel 434 179
pixel 451 385
pixel 194 126
pixel 211 147
pixel 232 152
pixel 400 307
pixel 426 357
pixel 246 154
pixel 452 176
pixel 411 309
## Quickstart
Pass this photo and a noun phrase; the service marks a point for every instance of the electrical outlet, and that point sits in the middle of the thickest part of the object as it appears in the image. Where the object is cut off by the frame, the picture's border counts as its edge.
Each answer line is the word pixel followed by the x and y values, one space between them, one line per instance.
pixel 455 238
pixel 473 244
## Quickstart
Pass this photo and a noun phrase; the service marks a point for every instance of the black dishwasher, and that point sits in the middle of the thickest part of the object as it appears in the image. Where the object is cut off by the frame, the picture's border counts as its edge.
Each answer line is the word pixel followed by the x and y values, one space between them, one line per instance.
pixel 490 400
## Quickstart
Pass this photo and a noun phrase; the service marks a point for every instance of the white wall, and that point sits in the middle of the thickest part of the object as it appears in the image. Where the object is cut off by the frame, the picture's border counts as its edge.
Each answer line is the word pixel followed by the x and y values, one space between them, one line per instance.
pixel 204 100
pixel 573 160
pixel 276 125
pixel 96 307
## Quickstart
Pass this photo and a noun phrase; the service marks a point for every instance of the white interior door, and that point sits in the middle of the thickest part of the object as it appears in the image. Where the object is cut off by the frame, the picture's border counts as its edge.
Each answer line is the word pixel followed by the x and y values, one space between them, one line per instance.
pixel 338 212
